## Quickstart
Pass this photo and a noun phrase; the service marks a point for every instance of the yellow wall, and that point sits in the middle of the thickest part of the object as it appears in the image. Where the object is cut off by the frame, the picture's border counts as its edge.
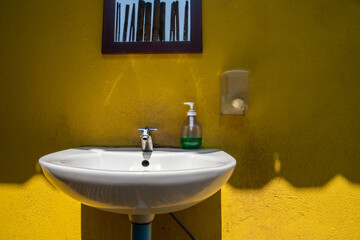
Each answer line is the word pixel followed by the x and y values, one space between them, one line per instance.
pixel 297 148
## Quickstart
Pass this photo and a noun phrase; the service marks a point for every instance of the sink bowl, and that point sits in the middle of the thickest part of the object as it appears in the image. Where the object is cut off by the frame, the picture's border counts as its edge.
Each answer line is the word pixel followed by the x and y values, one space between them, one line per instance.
pixel 129 181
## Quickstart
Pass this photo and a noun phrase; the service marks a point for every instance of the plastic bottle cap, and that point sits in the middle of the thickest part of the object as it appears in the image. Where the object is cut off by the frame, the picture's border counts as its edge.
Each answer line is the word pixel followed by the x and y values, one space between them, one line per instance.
pixel 191 112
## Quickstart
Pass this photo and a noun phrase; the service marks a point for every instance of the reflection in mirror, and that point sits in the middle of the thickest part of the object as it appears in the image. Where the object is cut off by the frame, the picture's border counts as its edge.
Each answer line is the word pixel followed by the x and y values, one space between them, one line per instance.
pixel 152 21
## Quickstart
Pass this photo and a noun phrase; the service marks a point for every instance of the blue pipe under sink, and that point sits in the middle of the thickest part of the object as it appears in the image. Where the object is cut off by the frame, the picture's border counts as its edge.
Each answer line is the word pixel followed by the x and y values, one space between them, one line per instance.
pixel 141 231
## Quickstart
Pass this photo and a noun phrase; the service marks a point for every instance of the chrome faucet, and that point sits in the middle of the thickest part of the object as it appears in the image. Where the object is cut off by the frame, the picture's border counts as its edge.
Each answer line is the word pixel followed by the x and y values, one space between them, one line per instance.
pixel 146 140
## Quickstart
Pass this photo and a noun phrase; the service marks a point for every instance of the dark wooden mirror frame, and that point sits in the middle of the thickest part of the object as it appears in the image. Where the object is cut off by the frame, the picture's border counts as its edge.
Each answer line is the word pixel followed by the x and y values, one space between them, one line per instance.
pixel 109 46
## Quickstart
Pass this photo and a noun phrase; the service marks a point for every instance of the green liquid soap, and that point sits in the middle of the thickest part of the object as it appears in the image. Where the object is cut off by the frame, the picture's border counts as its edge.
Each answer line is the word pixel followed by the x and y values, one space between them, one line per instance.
pixel 191 143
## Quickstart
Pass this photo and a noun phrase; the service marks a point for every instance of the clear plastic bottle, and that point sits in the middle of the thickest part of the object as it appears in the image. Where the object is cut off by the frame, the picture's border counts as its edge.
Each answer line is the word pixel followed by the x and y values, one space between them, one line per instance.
pixel 191 131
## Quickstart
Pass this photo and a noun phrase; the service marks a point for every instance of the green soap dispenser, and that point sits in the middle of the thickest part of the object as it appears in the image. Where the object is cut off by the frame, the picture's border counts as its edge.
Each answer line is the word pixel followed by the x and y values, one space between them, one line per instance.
pixel 191 132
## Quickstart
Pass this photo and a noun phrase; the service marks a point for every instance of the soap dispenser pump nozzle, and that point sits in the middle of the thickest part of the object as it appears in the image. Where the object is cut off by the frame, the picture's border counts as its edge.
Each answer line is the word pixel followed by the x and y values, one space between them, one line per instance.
pixel 191 112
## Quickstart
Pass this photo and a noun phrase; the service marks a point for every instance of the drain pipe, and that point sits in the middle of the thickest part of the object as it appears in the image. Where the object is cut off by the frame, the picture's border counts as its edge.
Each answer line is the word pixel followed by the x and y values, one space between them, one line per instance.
pixel 140 231
pixel 141 226
pixel 182 226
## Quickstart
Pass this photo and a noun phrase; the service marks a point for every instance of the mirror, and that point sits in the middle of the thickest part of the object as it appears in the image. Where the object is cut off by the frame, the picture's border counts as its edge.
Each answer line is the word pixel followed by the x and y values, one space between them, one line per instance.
pixel 152 26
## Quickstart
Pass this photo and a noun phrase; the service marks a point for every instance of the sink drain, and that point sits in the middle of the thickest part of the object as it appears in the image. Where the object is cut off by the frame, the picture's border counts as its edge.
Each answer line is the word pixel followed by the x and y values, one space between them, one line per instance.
pixel 145 163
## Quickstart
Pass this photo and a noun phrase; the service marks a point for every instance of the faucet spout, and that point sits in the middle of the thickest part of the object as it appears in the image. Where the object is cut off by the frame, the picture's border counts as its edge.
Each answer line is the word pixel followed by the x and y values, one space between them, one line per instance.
pixel 146 140
pixel 146 144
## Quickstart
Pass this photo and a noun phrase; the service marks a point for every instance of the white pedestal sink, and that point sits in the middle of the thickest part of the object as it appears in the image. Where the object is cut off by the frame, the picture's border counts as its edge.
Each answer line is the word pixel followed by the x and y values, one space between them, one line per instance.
pixel 141 184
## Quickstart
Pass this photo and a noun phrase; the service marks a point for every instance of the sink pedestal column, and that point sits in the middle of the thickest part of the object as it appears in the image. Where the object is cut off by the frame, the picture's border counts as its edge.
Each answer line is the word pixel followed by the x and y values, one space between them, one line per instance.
pixel 141 226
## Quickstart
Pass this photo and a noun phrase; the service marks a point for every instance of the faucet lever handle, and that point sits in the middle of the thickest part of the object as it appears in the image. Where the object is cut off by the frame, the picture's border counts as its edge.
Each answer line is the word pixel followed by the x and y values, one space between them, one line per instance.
pixel 147 129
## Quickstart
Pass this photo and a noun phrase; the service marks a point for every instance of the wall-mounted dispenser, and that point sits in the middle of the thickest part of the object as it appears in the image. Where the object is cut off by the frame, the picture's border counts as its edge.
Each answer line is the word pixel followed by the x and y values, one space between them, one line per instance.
pixel 234 92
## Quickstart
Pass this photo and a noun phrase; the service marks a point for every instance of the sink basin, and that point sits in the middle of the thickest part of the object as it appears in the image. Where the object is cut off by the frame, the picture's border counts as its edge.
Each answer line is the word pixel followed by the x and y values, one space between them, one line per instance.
pixel 129 181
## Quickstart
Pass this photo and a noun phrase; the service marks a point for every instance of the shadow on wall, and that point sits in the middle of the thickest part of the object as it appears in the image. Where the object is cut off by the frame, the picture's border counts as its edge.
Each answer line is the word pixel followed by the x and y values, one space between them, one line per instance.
pixel 19 161
pixel 297 126
pixel 305 158
pixel 97 224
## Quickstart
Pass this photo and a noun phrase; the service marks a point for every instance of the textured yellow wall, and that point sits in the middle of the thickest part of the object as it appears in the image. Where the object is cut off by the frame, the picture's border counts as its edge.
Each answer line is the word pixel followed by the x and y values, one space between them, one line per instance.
pixel 297 148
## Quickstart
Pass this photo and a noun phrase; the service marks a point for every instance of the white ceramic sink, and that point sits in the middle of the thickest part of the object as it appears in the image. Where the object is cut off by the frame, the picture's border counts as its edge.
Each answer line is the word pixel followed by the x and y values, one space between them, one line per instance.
pixel 114 179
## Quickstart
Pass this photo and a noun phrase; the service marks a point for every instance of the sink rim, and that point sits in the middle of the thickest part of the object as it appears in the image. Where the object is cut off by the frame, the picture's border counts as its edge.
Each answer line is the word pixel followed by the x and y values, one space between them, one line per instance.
pixel 47 161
